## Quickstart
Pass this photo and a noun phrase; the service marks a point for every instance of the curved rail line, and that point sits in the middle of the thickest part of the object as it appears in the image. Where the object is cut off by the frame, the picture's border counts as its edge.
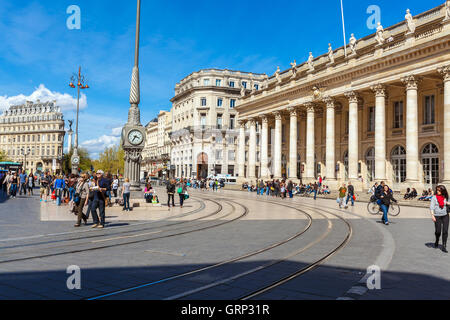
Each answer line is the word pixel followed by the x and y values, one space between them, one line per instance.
pixel 137 241
pixel 270 247
pixel 81 233
pixel 119 233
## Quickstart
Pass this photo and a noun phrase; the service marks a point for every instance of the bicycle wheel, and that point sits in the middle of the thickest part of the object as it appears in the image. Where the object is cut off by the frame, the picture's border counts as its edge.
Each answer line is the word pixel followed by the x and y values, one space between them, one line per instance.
pixel 373 208
pixel 394 210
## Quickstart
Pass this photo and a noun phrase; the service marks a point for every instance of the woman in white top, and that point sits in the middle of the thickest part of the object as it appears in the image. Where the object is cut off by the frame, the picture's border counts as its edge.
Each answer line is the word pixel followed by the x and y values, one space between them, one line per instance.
pixel 115 186
pixel 440 216
pixel 126 195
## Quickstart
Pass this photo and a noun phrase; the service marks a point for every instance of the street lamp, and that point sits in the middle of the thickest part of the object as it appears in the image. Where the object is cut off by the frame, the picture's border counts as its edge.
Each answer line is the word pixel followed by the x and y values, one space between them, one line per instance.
pixel 81 84
pixel 25 153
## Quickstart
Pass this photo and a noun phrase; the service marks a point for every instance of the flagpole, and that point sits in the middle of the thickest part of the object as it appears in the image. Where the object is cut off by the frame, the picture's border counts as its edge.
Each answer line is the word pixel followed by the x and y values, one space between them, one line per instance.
pixel 343 29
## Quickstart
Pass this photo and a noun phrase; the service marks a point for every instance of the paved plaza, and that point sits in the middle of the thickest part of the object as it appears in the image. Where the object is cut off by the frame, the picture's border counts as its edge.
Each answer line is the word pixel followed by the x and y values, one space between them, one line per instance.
pixel 221 245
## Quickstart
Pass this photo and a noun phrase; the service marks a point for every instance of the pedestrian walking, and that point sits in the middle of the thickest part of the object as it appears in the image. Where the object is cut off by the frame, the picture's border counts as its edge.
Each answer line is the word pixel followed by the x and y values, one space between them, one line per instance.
pixel 115 185
pixel 81 198
pixel 59 186
pixel 290 188
pixel 23 183
pixel 99 199
pixel 126 191
pixel 171 193
pixel 30 184
pixel 386 198
pixel 342 193
pixel 439 214
pixel 315 188
pixel 350 195
pixel 182 191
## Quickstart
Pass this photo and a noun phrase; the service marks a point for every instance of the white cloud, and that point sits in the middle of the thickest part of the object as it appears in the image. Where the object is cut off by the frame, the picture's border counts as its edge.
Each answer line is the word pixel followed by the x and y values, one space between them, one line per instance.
pixel 96 146
pixel 64 100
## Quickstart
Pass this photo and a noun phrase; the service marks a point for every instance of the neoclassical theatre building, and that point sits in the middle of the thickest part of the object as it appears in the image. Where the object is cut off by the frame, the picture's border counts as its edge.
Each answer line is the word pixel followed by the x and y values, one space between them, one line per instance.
pixel 379 111
pixel 35 129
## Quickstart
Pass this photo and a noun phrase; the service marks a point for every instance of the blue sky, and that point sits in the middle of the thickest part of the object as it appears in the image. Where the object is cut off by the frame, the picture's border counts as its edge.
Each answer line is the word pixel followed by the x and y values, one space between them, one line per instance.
pixel 38 53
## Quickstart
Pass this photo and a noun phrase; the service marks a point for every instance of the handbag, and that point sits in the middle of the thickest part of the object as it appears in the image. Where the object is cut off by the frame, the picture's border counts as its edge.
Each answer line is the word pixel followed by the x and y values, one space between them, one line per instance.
pixel 180 190
pixel 186 196
pixel 354 198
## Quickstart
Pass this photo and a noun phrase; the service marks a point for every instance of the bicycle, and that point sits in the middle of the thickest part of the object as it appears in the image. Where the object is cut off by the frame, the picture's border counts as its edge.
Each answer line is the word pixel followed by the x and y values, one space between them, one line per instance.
pixel 375 209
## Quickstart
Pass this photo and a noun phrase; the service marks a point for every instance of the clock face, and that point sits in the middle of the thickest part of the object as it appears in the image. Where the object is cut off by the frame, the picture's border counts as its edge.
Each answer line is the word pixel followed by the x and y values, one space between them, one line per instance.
pixel 135 137
pixel 75 160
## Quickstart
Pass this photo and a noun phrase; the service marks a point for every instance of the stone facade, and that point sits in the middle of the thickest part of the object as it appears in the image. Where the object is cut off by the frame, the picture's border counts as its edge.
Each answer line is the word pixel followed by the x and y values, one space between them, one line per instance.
pixel 204 135
pixel 381 112
pixel 156 154
pixel 37 127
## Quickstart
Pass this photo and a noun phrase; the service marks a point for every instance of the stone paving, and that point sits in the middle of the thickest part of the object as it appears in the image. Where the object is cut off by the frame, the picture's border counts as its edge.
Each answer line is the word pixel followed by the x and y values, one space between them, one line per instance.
pixel 143 247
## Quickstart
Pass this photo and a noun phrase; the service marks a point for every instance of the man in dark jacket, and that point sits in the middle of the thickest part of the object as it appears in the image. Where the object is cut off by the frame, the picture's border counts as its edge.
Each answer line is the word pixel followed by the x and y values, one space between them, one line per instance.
pixel 350 194
pixel 171 193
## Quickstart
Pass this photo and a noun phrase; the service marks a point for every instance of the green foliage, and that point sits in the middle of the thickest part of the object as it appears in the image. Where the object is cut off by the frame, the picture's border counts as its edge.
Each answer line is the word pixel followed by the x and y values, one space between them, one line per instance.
pixel 111 160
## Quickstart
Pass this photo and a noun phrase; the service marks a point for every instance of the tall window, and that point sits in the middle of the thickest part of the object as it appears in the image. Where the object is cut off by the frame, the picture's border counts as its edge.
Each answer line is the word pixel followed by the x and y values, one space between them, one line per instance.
pixel 430 162
pixel 232 103
pixel 203 120
pixel 232 122
pixel 398 114
pixel 428 116
pixel 244 84
pixel 371 126
pixel 218 82
pixel 219 102
pixel 256 86
pixel 231 84
pixel 219 121
pixel 206 82
pixel 398 161
pixel 203 102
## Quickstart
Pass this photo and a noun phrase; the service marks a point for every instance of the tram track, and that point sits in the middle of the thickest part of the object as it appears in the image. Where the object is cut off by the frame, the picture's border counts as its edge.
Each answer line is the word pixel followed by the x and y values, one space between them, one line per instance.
pixel 264 289
pixel 222 263
pixel 82 233
pixel 220 207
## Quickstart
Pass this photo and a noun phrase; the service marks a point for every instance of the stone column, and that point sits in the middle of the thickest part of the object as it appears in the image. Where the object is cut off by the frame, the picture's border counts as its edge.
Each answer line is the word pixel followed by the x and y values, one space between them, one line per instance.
pixel 310 142
pixel 445 72
pixel 412 130
pixel 380 132
pixel 264 147
pixel 241 156
pixel 293 144
pixel 330 140
pixel 252 150
pixel 353 139
pixel 278 144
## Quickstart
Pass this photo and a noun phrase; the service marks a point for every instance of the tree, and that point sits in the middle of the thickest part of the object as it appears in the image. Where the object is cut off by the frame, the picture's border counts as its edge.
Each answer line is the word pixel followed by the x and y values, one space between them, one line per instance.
pixel 3 156
pixel 85 161
pixel 111 160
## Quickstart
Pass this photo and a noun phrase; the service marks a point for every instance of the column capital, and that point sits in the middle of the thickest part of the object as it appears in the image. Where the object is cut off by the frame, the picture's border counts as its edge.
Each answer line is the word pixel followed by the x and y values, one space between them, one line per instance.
pixel 293 111
pixel 277 115
pixel 242 123
pixel 379 90
pixel 252 122
pixel 445 72
pixel 330 102
pixel 310 107
pixel 352 96
pixel 411 82
pixel 264 118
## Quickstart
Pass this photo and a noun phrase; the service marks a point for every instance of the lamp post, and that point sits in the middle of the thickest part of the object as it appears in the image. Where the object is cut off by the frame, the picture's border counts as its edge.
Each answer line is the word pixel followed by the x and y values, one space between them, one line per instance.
pixel 81 84
pixel 25 153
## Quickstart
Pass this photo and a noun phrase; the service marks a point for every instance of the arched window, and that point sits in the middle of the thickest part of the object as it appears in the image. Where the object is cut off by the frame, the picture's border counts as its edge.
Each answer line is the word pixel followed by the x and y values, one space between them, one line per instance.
pixel 398 161
pixel 430 162
pixel 370 163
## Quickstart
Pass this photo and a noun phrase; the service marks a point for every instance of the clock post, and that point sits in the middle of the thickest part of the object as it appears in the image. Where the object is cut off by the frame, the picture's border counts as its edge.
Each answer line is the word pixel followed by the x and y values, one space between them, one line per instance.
pixel 133 133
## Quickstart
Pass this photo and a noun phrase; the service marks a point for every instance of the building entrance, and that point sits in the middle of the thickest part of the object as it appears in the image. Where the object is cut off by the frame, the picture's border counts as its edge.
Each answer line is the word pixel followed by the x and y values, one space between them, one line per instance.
pixel 202 166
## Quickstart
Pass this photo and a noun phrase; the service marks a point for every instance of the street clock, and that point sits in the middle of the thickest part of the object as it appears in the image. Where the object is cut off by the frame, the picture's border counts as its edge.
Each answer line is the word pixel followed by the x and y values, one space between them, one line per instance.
pixel 135 137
